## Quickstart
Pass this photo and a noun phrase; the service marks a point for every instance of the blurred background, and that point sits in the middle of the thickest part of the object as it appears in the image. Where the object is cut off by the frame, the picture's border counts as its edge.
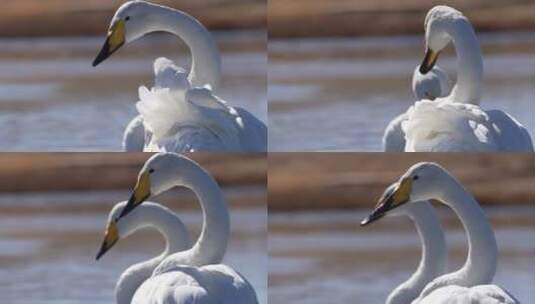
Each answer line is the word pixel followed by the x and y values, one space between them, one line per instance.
pixel 339 71
pixel 54 208
pixel 52 99
pixel 320 254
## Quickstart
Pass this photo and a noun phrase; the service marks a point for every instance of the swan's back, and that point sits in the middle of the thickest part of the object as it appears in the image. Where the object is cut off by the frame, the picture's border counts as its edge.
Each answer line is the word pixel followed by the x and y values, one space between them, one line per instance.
pixel 204 285
pixel 512 136
pixel 481 294
pixel 433 84
pixel 443 126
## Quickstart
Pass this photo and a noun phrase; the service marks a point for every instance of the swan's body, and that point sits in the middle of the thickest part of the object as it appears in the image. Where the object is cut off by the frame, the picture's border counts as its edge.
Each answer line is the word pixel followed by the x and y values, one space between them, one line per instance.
pixel 429 86
pixel 426 181
pixel 150 215
pixel 194 275
pixel 443 126
pixel 191 124
pixel 434 252
pixel 462 125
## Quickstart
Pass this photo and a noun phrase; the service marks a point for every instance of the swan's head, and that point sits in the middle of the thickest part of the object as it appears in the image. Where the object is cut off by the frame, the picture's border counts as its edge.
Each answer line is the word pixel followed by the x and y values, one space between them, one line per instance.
pixel 432 85
pixel 142 217
pixel 131 21
pixel 438 23
pixel 114 229
pixel 421 182
pixel 160 173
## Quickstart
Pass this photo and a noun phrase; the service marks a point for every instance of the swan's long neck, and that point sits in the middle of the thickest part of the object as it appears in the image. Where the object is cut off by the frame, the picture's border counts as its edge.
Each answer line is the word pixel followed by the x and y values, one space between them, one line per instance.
pixel 205 57
pixel 212 242
pixel 469 63
pixel 480 265
pixel 150 215
pixel 434 253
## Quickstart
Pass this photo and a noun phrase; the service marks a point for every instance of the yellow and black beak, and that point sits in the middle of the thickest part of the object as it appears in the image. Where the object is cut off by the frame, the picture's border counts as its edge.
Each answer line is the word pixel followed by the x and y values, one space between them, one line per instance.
pixel 139 195
pixel 111 236
pixel 394 196
pixel 429 61
pixel 115 39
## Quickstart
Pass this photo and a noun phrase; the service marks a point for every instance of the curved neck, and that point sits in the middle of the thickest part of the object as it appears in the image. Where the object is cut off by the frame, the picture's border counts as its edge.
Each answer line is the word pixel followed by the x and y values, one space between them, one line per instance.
pixel 205 57
pixel 212 242
pixel 149 215
pixel 434 253
pixel 469 63
pixel 480 265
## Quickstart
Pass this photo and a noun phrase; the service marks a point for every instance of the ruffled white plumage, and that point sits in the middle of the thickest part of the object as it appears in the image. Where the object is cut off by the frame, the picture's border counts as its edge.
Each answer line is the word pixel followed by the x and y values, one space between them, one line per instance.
pixel 445 126
pixel 434 84
pixel 187 121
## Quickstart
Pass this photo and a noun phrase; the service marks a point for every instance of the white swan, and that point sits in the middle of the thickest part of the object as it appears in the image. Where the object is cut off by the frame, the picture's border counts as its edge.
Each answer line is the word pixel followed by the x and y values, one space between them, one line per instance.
pixel 433 84
pixel 150 215
pixel 434 252
pixel 189 120
pixel 426 181
pixel 456 122
pixel 195 274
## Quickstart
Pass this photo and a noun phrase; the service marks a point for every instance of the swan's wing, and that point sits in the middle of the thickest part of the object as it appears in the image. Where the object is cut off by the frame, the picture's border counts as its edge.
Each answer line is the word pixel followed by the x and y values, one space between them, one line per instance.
pixel 177 287
pixel 491 294
pixel 253 132
pixel 511 135
pixel 228 284
pixel 394 137
pixel 482 294
pixel 134 135
pixel 250 131
pixel 444 126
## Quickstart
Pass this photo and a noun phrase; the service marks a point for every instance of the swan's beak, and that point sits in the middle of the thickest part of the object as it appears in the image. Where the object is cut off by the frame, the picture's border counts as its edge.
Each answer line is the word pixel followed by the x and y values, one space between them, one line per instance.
pixel 111 236
pixel 429 61
pixel 115 39
pixel 139 195
pixel 394 196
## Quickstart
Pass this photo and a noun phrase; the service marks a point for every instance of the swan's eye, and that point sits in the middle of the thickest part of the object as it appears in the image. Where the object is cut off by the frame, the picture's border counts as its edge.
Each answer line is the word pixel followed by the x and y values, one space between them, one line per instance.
pixel 127 18
pixel 151 170
pixel 416 177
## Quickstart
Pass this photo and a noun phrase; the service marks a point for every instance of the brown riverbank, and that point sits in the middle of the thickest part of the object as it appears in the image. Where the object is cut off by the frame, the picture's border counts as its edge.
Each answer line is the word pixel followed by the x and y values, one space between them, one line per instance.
pixel 311 18
pixel 112 171
pixel 76 17
pixel 343 180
